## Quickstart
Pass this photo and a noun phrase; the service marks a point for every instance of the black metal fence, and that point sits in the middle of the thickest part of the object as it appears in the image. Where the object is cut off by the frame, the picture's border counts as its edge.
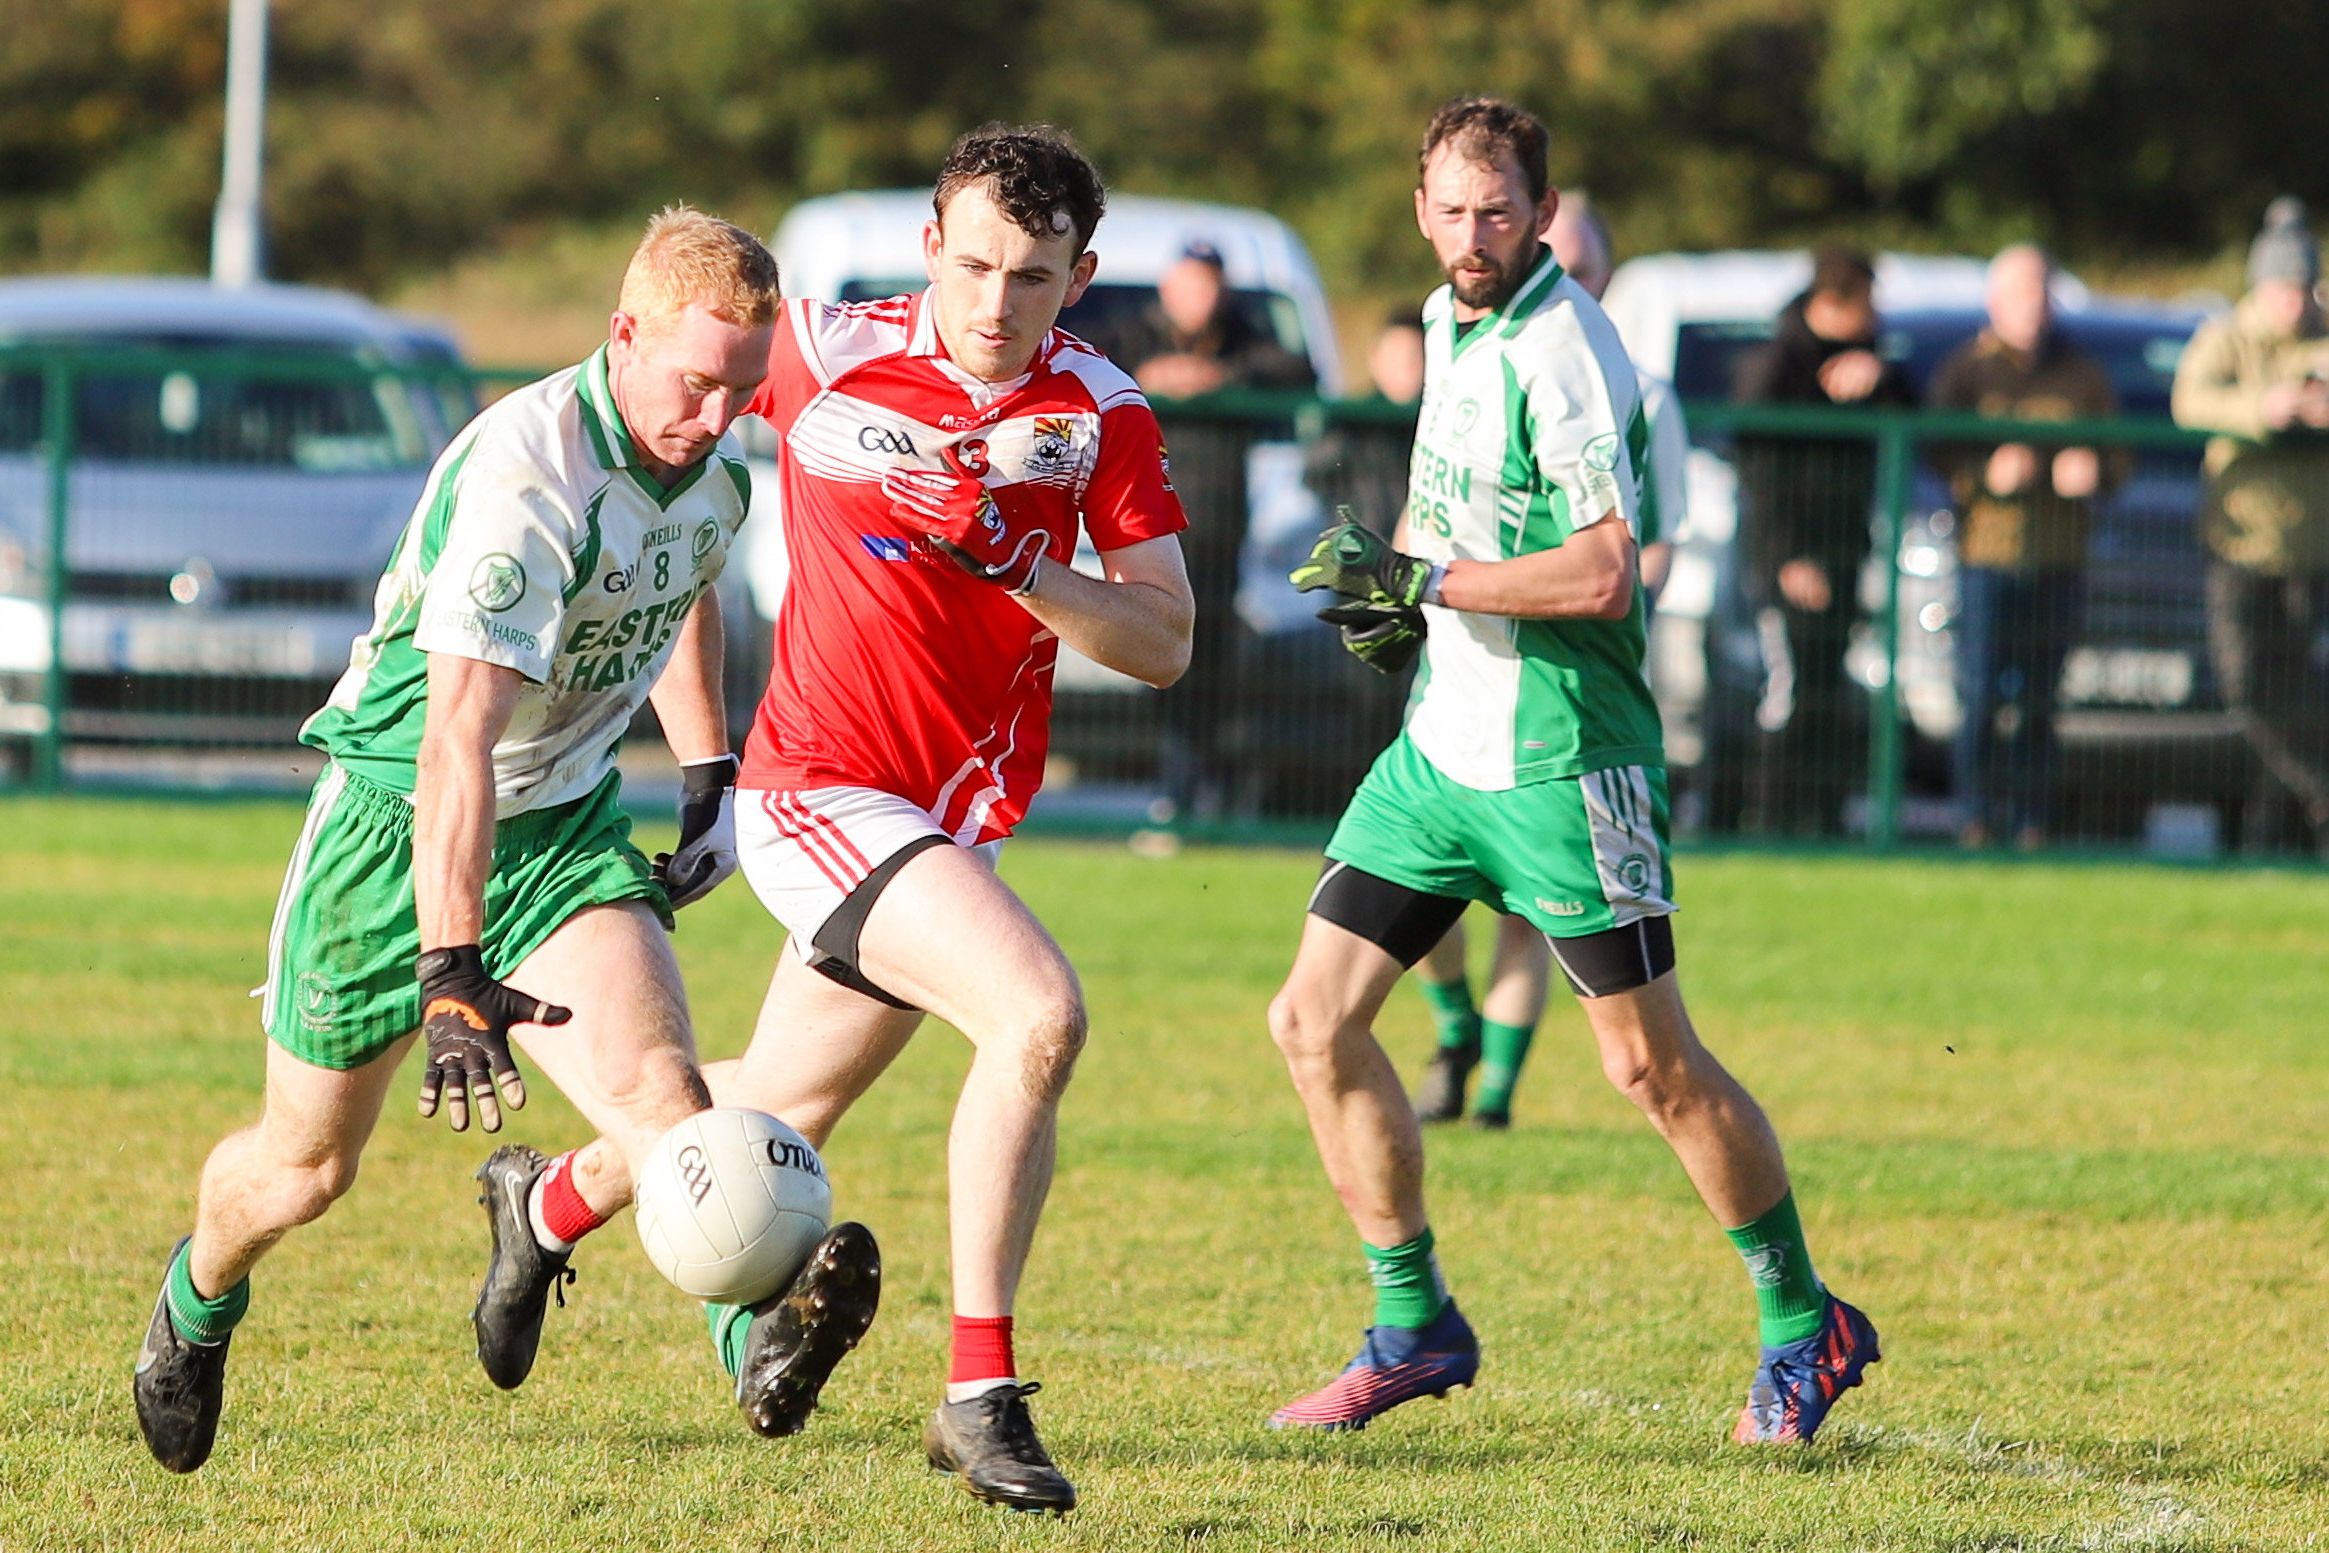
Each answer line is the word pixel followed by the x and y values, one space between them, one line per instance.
pixel 189 542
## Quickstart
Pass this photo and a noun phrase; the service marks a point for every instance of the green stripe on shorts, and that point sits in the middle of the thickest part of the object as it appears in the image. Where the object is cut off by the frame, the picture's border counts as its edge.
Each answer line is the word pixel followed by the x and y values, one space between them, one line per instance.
pixel 340 986
pixel 1573 855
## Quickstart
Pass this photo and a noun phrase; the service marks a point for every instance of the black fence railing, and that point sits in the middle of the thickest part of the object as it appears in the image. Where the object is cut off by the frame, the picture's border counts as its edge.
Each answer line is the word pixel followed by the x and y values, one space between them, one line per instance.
pixel 189 542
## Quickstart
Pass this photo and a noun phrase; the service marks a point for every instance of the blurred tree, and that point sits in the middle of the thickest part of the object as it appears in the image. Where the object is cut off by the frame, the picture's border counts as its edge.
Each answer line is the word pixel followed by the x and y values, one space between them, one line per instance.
pixel 404 134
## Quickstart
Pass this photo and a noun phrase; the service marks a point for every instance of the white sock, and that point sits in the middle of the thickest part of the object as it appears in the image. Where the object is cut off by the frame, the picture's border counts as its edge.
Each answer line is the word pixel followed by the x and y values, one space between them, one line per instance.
pixel 542 1235
pixel 964 1390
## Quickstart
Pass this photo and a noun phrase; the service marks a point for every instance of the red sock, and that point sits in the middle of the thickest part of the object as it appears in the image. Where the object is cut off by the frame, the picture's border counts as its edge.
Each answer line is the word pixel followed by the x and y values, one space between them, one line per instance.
pixel 982 1350
pixel 564 1213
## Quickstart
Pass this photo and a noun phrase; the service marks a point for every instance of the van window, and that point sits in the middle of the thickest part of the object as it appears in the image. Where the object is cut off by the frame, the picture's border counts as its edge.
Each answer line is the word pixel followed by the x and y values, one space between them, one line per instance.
pixel 1108 314
pixel 193 416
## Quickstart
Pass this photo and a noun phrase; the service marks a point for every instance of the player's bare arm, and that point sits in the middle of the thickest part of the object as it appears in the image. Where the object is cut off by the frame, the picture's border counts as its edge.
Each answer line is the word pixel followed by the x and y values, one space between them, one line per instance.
pixel 469 708
pixel 694 716
pixel 465 1012
pixel 1588 576
pixel 687 698
pixel 1135 619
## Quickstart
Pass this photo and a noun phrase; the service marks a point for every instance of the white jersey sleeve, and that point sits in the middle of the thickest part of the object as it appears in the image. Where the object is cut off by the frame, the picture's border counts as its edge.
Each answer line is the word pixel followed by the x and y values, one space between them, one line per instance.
pixel 1585 416
pixel 505 562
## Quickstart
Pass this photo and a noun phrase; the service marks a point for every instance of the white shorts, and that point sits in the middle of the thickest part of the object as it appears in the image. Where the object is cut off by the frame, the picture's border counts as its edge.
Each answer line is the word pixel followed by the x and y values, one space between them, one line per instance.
pixel 810 852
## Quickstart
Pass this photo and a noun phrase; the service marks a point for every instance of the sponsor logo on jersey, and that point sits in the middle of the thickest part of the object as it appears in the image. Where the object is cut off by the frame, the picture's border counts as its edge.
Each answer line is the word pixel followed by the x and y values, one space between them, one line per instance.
pixel 886 547
pixel 707 534
pixel 1560 908
pixel 1601 453
pixel 497 583
pixel 886 439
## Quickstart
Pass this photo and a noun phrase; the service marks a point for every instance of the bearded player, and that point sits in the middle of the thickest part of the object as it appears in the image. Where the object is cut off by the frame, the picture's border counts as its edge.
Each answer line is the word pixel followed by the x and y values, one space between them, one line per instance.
pixel 1529 775
pixel 940 452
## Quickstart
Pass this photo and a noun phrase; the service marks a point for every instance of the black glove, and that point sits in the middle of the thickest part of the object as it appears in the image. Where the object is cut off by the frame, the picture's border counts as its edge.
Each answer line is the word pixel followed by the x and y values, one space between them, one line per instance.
pixel 1386 638
pixel 1359 563
pixel 707 832
pixel 465 1017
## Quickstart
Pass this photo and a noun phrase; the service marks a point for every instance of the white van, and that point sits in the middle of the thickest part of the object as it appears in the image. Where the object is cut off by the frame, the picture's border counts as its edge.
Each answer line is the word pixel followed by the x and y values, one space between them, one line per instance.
pixel 851 247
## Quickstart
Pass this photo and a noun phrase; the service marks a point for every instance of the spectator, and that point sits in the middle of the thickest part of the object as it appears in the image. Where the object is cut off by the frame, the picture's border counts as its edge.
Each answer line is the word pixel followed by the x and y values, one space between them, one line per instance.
pixel 1195 339
pixel 2259 379
pixel 1805 531
pixel 2023 513
pixel 1396 362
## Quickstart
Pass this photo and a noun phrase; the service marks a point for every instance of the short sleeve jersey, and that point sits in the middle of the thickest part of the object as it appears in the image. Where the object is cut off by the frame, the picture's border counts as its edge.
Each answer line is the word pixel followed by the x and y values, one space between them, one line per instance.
pixel 542 544
pixel 892 667
pixel 1531 428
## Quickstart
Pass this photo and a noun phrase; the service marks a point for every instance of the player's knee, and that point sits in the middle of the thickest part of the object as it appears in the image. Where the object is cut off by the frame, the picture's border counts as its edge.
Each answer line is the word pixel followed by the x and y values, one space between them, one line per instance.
pixel 1050 1042
pixel 1306 1031
pixel 305 1191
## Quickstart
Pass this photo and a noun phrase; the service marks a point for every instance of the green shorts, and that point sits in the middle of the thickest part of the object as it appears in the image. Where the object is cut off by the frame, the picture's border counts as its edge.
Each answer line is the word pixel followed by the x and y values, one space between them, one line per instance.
pixel 340 988
pixel 1573 855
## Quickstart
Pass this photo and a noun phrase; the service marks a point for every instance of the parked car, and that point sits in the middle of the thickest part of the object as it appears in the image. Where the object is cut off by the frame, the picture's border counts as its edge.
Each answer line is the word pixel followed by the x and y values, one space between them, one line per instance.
pixel 225 523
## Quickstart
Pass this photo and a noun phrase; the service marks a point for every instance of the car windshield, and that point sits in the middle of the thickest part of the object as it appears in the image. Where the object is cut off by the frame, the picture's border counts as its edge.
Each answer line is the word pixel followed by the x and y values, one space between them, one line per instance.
pixel 195 415
pixel 1106 315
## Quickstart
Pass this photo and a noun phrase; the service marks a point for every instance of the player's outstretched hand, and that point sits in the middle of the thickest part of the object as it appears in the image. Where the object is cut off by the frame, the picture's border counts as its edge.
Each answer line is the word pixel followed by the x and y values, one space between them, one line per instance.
pixel 465 1018
pixel 707 832
pixel 954 510
pixel 1359 563
pixel 1386 638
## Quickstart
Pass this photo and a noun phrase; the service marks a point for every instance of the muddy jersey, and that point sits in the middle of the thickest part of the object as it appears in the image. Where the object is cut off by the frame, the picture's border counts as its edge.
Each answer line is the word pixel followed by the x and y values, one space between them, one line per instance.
pixel 542 544
pixel 892 667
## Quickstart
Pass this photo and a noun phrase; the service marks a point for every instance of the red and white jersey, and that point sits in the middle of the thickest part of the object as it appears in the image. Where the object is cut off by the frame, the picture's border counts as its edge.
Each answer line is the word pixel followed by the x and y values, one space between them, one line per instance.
pixel 893 667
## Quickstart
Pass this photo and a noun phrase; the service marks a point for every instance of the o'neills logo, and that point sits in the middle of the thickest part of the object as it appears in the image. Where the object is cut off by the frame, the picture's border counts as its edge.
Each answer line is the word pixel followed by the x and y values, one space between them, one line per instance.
pixel 786 1155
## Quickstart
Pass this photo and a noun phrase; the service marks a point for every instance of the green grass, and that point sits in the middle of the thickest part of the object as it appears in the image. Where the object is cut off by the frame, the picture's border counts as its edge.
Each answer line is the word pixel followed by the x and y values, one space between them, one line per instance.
pixel 2060 1129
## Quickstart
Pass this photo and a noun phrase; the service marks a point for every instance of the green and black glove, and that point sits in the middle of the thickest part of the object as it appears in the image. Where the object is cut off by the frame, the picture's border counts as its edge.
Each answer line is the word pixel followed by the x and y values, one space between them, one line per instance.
pixel 1386 638
pixel 1360 564
pixel 465 1017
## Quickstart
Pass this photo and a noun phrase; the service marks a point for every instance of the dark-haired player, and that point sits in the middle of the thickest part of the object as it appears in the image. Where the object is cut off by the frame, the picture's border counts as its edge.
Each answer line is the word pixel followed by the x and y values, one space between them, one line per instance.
pixel 1530 775
pixel 941 452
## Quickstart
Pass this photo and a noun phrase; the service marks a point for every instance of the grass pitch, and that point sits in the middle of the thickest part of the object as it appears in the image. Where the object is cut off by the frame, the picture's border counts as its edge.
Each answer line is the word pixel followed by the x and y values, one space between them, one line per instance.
pixel 2061 1130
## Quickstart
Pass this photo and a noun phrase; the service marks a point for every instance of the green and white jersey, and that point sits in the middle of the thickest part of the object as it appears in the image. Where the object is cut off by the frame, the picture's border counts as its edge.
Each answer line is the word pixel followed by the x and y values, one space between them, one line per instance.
pixel 541 544
pixel 1530 429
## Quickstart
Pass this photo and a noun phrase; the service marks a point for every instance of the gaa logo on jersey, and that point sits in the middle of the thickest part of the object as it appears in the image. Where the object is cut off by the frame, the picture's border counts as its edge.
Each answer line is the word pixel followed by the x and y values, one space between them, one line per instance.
pixel 707 534
pixel 497 583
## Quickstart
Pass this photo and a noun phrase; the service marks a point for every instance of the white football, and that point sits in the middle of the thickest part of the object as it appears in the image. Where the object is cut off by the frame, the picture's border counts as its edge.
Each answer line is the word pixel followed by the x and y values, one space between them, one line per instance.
pixel 730 1203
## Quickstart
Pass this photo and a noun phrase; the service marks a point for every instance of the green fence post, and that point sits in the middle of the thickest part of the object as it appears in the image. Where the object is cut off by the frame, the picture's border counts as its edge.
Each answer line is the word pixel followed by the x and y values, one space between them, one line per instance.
pixel 1884 734
pixel 57 438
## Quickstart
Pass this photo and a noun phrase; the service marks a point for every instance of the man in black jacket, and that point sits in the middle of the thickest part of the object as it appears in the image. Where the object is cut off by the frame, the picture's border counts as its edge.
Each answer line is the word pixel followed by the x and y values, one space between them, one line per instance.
pixel 1804 525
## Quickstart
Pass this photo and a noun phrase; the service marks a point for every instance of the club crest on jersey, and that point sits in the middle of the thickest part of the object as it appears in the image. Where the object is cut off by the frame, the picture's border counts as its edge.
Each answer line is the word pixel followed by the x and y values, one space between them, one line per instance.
pixel 707 534
pixel 497 583
pixel 1054 443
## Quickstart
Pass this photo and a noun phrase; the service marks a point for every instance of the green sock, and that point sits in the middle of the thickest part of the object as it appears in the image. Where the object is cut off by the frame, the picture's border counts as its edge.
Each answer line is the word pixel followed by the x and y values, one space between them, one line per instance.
pixel 1409 1291
pixel 1503 1048
pixel 198 1318
pixel 1788 1295
pixel 1451 1010
pixel 729 1323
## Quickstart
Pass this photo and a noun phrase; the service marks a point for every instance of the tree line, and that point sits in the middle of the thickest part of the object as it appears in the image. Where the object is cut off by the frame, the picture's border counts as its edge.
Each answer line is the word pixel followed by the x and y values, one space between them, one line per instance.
pixel 404 134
